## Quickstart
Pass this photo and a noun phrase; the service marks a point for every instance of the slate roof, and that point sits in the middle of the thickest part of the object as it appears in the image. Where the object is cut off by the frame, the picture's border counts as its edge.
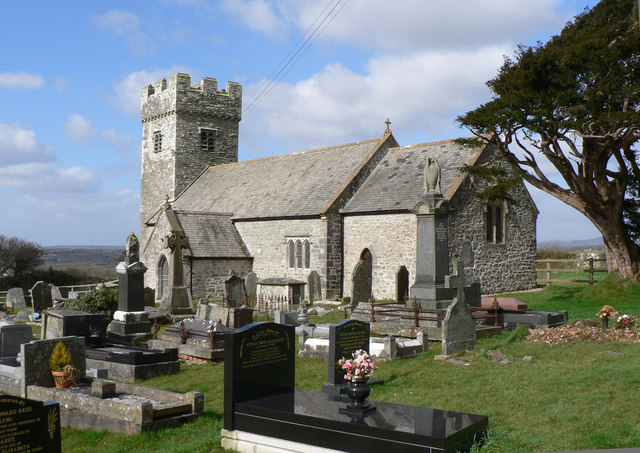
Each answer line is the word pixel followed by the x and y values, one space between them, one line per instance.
pixel 212 235
pixel 290 185
pixel 397 181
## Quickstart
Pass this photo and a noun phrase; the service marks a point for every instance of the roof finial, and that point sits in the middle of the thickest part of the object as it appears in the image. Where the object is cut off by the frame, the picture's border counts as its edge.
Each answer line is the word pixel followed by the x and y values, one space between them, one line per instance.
pixel 387 131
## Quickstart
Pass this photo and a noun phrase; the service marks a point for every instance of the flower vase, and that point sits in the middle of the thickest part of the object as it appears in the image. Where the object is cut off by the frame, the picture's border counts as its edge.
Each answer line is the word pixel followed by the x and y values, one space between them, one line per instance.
pixel 605 322
pixel 358 390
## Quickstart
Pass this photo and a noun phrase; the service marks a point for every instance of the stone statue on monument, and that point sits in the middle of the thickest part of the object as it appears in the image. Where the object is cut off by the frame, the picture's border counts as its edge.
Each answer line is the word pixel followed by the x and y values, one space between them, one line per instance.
pixel 432 176
pixel 132 250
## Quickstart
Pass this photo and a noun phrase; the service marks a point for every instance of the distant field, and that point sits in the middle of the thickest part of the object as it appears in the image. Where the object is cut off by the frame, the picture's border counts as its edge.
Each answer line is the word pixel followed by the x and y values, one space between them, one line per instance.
pixel 95 261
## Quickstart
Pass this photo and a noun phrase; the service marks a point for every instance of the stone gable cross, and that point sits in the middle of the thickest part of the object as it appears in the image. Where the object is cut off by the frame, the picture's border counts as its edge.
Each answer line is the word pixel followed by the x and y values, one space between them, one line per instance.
pixel 387 131
pixel 175 242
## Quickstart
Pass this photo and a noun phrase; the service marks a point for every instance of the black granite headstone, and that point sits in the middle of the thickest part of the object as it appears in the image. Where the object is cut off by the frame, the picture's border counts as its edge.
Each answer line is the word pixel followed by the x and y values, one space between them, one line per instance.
pixel 345 337
pixel 259 361
pixel 29 425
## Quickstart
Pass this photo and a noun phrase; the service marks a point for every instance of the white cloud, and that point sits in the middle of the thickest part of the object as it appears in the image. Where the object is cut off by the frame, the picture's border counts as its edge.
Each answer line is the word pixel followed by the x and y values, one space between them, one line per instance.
pixel 79 129
pixel 124 144
pixel 127 91
pixel 19 145
pixel 258 15
pixel 420 93
pixel 45 178
pixel 126 25
pixel 21 80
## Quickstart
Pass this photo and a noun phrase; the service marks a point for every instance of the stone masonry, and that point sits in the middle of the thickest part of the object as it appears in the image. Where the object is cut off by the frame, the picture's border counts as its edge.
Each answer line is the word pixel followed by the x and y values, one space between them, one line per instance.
pixel 179 111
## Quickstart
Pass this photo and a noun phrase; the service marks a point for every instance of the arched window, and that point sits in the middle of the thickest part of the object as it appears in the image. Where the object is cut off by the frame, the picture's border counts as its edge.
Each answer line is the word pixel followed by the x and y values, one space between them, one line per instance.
pixel 494 223
pixel 299 253
pixel 163 270
pixel 291 253
pixel 307 254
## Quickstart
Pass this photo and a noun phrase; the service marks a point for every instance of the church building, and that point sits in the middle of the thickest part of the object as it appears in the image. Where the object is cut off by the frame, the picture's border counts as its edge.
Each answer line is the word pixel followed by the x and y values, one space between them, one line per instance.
pixel 320 210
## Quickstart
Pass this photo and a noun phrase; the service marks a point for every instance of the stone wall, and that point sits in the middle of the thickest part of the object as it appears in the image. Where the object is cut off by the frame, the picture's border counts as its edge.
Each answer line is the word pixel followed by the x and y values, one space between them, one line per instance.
pixel 209 275
pixel 391 239
pixel 500 267
pixel 267 243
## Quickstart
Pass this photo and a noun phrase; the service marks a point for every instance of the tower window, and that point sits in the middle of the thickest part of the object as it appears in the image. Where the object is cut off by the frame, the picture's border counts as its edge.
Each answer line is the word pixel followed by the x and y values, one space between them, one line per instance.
pixel 207 140
pixel 157 142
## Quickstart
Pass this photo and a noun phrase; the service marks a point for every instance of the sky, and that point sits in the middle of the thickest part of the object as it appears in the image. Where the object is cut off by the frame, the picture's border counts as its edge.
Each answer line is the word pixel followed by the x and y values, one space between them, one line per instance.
pixel 71 75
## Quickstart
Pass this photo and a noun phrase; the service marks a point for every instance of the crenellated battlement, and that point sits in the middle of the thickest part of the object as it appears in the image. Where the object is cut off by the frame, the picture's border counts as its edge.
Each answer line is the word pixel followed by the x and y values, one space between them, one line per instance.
pixel 181 84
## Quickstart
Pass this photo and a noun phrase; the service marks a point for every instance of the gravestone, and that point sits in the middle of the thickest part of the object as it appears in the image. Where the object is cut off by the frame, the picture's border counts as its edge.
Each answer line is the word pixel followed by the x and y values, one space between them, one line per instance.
pixel 55 292
pixel 345 337
pixel 15 298
pixel 259 362
pixel 12 335
pixel 176 298
pixel 314 284
pixel 41 296
pixel 28 425
pixel 130 325
pixel 251 285
pixel 467 254
pixel 66 323
pixel 234 291
pixel 402 284
pixel 458 327
pixel 361 283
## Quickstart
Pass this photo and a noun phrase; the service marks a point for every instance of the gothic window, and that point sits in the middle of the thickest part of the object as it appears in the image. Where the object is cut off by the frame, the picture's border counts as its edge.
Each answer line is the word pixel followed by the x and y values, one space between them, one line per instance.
pixel 157 142
pixel 291 251
pixel 307 254
pixel 299 253
pixel 163 266
pixel 494 222
pixel 207 140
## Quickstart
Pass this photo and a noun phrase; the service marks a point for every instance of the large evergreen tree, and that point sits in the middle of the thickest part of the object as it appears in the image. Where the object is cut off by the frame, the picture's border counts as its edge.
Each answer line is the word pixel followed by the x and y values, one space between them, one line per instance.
pixel 575 101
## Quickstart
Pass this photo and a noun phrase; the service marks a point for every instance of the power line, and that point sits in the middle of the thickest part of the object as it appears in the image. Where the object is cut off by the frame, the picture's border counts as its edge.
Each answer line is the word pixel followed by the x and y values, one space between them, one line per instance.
pixel 297 52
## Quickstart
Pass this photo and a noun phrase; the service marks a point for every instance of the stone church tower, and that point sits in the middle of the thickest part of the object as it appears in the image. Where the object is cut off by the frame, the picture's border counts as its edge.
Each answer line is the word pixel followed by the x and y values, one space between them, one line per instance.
pixel 185 129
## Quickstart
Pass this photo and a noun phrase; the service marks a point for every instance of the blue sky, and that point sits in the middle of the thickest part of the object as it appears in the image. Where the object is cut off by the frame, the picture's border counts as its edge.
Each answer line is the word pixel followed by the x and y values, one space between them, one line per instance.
pixel 71 74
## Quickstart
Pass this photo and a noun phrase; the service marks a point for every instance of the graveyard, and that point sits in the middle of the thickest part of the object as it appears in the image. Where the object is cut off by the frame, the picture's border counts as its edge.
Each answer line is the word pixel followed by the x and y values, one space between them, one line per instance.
pixel 556 376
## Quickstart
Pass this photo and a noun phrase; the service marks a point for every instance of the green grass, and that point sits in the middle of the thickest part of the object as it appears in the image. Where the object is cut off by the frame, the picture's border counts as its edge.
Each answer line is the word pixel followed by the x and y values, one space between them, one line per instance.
pixel 567 397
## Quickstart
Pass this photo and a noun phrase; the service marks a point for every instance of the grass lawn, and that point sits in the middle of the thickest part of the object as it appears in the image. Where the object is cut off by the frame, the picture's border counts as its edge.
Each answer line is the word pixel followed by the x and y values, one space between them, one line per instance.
pixel 565 397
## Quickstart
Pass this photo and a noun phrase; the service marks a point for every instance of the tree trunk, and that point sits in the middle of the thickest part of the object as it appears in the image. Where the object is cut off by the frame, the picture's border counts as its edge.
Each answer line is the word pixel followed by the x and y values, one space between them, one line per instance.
pixel 622 255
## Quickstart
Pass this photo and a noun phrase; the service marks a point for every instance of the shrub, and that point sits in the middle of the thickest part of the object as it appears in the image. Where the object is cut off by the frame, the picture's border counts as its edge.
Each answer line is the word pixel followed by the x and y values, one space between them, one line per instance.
pixel 60 357
pixel 101 300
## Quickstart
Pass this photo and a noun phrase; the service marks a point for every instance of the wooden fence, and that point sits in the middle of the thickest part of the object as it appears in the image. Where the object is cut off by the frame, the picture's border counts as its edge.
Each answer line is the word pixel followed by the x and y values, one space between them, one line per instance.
pixel 559 270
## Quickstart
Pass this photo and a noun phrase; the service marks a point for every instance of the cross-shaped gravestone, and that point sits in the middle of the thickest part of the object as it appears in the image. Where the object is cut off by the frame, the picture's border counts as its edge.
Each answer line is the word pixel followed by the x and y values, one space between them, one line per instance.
pixel 458 281
pixel 175 242
pixel 458 327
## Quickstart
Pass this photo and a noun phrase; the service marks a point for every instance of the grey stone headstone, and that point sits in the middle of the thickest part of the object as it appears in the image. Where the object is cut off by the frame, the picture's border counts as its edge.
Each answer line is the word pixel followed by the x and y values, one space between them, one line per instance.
pixel 55 292
pixel 402 284
pixel 458 329
pixel 315 288
pixel 361 283
pixel 234 291
pixel 15 298
pixel 251 285
pixel 12 335
pixel 41 296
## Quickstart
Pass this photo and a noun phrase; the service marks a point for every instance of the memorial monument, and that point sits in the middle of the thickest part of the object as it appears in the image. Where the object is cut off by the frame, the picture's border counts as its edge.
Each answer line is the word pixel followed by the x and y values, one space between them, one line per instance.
pixel 176 298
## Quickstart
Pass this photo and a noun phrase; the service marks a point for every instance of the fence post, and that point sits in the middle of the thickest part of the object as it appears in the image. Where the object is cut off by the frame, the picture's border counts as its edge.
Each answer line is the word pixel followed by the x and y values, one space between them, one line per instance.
pixel 373 316
pixel 591 271
pixel 416 323
pixel 548 273
pixel 495 307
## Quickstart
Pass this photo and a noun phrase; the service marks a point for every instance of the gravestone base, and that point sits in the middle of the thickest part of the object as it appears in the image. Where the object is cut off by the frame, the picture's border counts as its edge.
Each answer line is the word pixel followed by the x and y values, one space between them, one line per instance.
pixel 129 328
pixel 177 301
